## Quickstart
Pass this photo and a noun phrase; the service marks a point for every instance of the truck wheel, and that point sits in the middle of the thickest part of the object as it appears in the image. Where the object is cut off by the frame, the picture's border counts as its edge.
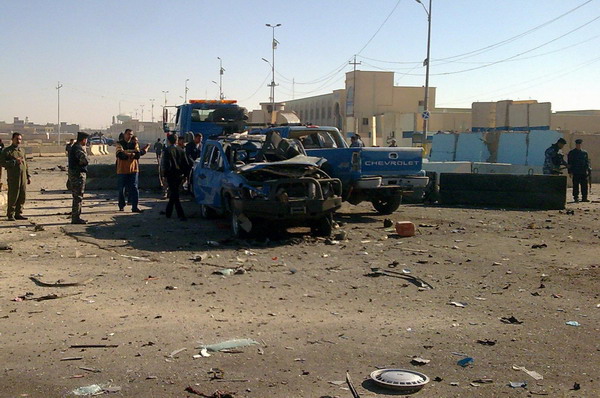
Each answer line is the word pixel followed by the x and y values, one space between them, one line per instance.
pixel 387 205
pixel 207 212
pixel 323 226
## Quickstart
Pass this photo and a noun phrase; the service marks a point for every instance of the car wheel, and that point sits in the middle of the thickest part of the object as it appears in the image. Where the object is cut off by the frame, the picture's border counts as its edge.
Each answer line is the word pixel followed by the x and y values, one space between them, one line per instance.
pixel 236 225
pixel 387 205
pixel 323 226
pixel 207 212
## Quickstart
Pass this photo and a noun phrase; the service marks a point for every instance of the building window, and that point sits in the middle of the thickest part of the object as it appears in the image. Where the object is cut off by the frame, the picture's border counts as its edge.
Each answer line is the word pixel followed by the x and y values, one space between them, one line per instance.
pixel 365 121
pixel 329 112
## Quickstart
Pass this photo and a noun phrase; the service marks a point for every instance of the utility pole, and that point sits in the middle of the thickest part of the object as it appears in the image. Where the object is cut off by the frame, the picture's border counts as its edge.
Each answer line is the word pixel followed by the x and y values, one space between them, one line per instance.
pixel 165 93
pixel 186 91
pixel 152 111
pixel 272 85
pixel 293 88
pixel 58 87
pixel 426 63
pixel 354 63
pixel 142 119
pixel 221 70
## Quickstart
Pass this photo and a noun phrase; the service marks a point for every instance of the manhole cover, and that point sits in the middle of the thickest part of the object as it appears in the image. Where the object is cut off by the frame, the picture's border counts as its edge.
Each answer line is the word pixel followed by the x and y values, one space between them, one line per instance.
pixel 400 379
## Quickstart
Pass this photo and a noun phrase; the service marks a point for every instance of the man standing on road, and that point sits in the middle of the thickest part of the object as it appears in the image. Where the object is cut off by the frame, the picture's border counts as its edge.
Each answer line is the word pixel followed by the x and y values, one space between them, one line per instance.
pixel 554 158
pixel 158 148
pixel 175 166
pixel 13 159
pixel 193 148
pixel 579 170
pixel 69 145
pixel 128 168
pixel 78 162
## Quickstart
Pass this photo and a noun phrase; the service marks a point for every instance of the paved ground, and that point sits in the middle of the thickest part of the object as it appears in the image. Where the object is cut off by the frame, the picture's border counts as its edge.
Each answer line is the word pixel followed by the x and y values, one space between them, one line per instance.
pixel 310 305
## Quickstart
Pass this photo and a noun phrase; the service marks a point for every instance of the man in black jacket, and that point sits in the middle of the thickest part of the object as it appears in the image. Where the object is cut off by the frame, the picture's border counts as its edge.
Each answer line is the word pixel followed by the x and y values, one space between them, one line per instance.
pixel 78 163
pixel 579 170
pixel 175 166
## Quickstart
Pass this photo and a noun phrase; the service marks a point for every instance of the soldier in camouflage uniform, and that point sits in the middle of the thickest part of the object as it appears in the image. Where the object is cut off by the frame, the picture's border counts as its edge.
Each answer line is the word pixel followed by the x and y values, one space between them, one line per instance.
pixel 13 159
pixel 78 162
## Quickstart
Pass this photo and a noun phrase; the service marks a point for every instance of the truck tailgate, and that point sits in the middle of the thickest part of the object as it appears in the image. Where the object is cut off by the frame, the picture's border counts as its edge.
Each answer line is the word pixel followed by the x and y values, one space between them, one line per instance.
pixel 391 161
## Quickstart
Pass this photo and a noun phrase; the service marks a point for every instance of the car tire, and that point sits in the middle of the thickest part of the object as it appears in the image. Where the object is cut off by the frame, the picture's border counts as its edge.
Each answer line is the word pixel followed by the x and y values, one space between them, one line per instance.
pixel 323 226
pixel 207 212
pixel 236 226
pixel 387 205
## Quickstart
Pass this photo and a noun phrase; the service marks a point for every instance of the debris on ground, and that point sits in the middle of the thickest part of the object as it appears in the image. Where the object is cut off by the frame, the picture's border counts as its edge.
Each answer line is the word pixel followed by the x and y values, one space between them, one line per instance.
pixel 229 344
pixel 418 361
pixel 4 246
pixel 216 394
pixel 199 257
pixel 405 229
pixel 539 246
pixel 351 386
pixel 518 384
pixel 387 223
pixel 512 320
pixel 93 346
pixel 573 323
pixel 465 362
pixel 535 375
pixel 376 271
pixel 59 283
pixel 457 304
pixel 136 258
pixel 486 342
pixel 93 389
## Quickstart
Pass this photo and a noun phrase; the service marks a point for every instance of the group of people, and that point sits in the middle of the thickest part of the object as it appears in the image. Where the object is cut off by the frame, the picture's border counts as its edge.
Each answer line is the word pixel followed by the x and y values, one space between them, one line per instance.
pixel 176 159
pixel 577 164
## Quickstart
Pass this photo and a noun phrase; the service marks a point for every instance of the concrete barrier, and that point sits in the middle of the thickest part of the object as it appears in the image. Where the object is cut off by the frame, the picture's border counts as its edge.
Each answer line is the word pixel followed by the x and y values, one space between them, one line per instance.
pixel 104 177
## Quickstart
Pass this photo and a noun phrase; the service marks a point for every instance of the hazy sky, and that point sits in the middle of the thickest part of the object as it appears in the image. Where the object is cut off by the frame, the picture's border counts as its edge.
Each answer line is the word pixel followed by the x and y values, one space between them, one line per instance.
pixel 109 53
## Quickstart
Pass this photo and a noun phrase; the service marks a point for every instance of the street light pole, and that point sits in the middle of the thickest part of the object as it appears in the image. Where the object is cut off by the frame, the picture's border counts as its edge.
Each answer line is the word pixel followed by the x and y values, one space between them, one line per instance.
pixel 165 93
pixel 58 87
pixel 427 62
pixel 274 46
pixel 186 90
pixel 152 111
pixel 221 70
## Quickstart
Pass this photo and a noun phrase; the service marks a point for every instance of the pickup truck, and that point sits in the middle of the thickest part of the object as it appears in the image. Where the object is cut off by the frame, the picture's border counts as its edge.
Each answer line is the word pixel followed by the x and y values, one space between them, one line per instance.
pixel 261 181
pixel 378 175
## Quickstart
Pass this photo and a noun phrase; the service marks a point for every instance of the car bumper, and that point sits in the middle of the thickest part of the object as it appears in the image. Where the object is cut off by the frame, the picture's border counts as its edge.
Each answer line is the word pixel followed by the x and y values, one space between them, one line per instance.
pixel 403 183
pixel 291 210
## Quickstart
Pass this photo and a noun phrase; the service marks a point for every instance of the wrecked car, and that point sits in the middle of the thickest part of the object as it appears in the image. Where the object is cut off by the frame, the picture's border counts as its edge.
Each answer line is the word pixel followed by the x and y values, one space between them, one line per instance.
pixel 264 181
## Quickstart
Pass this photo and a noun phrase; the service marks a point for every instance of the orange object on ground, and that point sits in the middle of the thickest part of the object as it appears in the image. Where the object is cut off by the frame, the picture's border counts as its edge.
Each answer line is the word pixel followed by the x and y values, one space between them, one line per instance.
pixel 405 228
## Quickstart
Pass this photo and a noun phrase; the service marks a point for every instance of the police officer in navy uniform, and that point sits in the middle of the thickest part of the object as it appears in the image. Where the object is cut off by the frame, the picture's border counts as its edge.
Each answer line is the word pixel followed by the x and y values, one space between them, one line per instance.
pixel 579 170
pixel 553 158
pixel 78 162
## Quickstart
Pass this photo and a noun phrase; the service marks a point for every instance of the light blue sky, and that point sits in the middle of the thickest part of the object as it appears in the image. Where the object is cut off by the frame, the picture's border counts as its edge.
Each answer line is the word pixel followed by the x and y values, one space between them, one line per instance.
pixel 128 51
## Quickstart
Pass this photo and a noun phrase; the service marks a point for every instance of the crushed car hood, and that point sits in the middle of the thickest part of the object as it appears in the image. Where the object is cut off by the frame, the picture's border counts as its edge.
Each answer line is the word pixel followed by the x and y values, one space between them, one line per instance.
pixel 301 160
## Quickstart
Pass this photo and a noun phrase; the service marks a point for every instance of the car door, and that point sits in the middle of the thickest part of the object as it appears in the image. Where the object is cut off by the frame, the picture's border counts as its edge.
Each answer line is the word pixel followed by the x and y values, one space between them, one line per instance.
pixel 204 175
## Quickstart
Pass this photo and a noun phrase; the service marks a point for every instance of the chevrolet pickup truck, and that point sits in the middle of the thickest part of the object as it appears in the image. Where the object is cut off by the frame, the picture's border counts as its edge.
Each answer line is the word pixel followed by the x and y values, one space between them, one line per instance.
pixel 264 182
pixel 378 175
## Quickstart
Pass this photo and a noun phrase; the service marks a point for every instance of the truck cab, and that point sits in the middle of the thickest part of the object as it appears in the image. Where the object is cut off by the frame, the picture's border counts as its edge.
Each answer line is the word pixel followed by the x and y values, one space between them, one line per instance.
pixel 378 175
pixel 211 118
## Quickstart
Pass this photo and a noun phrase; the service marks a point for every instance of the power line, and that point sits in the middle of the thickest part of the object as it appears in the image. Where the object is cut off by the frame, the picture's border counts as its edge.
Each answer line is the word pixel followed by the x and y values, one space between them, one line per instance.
pixel 486 48
pixel 380 27
pixel 511 58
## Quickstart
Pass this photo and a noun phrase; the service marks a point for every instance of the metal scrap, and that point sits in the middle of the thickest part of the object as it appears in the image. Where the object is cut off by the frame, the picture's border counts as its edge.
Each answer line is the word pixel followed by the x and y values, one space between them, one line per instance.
pixel 58 283
pixel 376 271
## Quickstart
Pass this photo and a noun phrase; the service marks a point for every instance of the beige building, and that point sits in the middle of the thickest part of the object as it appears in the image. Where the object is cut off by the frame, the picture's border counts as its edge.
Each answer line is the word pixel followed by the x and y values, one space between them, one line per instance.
pixel 371 105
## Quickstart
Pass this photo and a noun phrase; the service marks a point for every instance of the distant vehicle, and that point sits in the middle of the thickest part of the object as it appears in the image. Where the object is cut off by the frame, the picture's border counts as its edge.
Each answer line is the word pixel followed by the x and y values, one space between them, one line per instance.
pixel 264 180
pixel 378 175
pixel 212 118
